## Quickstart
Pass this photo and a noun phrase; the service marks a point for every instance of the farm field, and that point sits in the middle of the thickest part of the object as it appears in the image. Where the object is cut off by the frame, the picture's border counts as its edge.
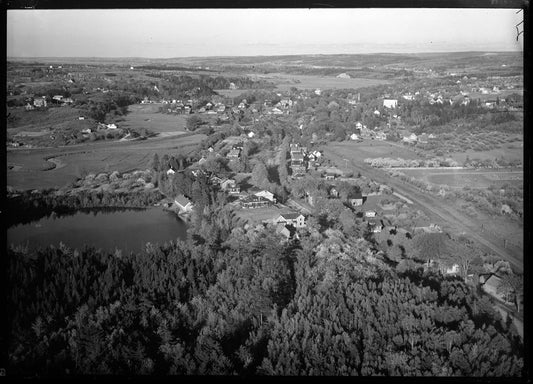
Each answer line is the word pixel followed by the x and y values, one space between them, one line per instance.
pixel 358 151
pixel 459 178
pixel 286 81
pixel 29 169
pixel 509 151
pixel 148 116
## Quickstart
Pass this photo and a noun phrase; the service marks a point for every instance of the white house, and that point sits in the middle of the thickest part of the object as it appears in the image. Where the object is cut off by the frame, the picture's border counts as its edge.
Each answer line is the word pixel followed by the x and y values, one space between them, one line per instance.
pixel 377 113
pixel 295 219
pixel 370 213
pixel 111 126
pixel 453 270
pixel 354 136
pixel 251 134
pixel 267 195
pixel 183 204
pixel 390 103
pixel 170 171
pixel 318 91
pixel 410 139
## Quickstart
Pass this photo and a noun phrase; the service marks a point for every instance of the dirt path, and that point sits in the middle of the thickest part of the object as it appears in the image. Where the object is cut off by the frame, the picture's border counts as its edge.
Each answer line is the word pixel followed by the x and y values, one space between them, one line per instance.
pixel 457 221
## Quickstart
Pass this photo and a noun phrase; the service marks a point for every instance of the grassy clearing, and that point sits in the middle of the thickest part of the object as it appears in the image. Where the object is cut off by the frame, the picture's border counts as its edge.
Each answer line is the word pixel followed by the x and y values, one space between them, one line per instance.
pixel 31 165
pixel 358 151
pixel 148 116
pixel 285 81
pixel 460 178
pixel 257 215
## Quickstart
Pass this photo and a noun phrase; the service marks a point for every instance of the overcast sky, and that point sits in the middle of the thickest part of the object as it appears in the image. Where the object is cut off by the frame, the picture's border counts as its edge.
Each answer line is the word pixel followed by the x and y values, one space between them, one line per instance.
pixel 242 32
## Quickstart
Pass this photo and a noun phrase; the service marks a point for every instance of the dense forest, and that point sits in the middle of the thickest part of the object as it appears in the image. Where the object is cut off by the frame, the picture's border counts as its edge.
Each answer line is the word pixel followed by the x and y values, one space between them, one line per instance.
pixel 238 300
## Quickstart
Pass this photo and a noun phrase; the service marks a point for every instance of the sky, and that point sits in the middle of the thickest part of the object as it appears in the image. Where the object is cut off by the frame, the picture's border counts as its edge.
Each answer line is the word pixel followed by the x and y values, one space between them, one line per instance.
pixel 168 33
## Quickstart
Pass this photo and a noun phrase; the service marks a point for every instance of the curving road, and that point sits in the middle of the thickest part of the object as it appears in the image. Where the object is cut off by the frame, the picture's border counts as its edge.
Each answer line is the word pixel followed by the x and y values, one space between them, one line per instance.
pixel 447 213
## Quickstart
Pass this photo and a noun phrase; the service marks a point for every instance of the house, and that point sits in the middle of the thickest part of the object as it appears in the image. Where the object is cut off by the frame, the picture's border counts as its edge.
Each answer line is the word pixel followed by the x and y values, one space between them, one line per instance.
pixel 318 91
pixel 355 199
pixel 86 130
pixel 234 154
pixel 81 118
pixel 343 76
pixel 354 136
pixel 380 135
pixel 221 108
pixel 40 102
pixel 506 209
pixel 251 135
pixel 411 138
pixel 29 107
pixel 295 219
pixel 183 204
pixel 267 195
pixel 330 176
pixel 370 213
pixel 171 171
pixel 232 86
pixel 57 98
pixel 358 126
pixel 277 111
pixel 297 159
pixel 452 270
pixel 377 113
pixel 253 201
pixel 111 126
pixel 333 192
pixel 390 103
pixel 215 180
pixel 423 138
pixel 285 230
pixel 375 226
pixel 408 96
pixel 230 186
pixel 490 284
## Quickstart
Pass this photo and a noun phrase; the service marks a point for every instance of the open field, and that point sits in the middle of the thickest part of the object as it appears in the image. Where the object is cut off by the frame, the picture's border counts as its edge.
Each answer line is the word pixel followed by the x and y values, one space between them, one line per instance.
pixel 148 116
pixel 358 151
pixel 285 81
pixel 509 151
pixel 257 215
pixel 230 92
pixel 30 168
pixel 459 178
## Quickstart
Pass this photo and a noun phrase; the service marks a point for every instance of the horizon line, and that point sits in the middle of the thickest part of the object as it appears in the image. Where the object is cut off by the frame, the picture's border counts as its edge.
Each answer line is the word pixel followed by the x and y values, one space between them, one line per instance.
pixel 269 55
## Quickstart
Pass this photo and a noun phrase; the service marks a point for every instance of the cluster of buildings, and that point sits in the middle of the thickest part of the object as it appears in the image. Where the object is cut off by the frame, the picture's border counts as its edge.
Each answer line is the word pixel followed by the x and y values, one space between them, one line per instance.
pixel 43 101
pixel 301 159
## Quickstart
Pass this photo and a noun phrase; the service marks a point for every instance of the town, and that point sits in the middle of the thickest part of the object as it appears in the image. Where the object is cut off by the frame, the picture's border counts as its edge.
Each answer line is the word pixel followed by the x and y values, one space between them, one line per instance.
pixel 344 214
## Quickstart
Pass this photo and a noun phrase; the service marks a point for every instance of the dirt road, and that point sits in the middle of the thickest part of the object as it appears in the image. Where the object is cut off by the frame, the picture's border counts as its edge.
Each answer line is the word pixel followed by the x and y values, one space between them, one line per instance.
pixel 456 220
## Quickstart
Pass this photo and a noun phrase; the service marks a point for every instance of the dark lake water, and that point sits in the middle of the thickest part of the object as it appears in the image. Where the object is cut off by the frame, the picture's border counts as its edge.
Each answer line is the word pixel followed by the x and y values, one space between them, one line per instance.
pixel 128 230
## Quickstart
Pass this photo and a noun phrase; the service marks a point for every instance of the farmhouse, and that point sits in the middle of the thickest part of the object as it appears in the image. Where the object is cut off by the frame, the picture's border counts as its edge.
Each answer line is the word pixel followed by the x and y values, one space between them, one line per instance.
pixel 183 204
pixel 286 231
pixel 380 135
pixel 355 199
pixel 411 138
pixel 234 154
pixel 267 195
pixel 343 76
pixel 390 103
pixel 490 284
pixel 111 126
pixel 295 219
pixel 375 226
pixel 40 102
pixel 230 186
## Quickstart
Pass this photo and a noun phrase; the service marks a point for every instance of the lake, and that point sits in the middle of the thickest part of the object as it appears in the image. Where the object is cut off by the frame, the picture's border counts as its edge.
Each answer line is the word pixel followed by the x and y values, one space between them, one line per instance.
pixel 108 229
